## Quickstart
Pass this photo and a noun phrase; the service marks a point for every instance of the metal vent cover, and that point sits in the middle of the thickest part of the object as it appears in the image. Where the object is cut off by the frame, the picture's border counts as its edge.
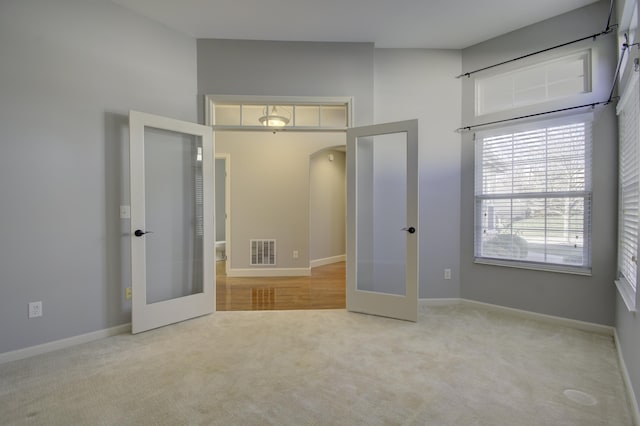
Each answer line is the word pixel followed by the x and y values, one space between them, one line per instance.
pixel 263 252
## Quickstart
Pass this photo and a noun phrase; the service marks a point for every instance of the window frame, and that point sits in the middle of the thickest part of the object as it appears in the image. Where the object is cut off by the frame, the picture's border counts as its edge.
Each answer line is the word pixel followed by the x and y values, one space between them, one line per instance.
pixel 543 67
pixel 628 290
pixel 587 193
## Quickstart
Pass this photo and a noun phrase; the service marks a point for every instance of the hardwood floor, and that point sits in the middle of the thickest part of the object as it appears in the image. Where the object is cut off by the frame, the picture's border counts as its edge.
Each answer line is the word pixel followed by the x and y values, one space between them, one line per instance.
pixel 324 289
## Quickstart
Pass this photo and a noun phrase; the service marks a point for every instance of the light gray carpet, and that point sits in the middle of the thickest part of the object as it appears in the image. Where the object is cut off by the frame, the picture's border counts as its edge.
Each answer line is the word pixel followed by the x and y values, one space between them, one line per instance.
pixel 458 365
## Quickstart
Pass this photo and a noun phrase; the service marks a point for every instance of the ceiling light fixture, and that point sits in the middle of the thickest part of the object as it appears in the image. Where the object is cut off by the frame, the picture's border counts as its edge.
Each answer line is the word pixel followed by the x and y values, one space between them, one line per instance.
pixel 275 117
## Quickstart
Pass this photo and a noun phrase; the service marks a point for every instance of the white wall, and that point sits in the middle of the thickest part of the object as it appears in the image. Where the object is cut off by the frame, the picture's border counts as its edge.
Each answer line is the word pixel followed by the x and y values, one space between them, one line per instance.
pixel 421 83
pixel 270 191
pixel 327 204
pixel 70 72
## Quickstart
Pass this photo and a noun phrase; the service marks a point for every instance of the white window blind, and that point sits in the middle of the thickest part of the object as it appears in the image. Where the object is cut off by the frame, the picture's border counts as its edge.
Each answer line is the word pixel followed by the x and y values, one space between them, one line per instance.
pixel 629 186
pixel 533 195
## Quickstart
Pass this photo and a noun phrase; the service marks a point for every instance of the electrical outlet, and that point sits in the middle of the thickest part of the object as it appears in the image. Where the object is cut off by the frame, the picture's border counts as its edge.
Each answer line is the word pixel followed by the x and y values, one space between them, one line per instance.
pixel 127 293
pixel 295 254
pixel 447 274
pixel 35 309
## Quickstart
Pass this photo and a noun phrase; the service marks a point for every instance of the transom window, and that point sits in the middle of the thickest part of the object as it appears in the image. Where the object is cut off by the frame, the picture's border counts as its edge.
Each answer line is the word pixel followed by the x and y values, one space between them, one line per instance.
pixel 275 113
pixel 546 81
pixel 533 195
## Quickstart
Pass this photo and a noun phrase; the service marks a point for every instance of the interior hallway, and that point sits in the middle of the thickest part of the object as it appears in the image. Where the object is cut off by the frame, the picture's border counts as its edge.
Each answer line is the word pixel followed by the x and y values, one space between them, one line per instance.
pixel 324 289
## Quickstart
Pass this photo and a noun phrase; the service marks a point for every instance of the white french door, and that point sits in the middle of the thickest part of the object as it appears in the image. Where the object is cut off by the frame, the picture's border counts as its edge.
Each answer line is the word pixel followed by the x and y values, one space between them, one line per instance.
pixel 382 220
pixel 172 220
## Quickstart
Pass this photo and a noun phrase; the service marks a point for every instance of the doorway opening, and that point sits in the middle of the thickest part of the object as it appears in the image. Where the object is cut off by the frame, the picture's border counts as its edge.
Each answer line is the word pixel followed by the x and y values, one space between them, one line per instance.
pixel 279 186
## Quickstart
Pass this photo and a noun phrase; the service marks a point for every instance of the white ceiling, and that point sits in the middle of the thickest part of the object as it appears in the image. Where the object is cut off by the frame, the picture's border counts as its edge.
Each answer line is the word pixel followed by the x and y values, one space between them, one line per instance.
pixel 447 24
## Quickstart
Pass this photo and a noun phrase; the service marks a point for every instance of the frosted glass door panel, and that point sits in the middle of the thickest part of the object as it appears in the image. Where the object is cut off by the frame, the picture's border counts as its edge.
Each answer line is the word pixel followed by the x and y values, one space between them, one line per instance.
pixel 173 171
pixel 382 201
pixel 382 220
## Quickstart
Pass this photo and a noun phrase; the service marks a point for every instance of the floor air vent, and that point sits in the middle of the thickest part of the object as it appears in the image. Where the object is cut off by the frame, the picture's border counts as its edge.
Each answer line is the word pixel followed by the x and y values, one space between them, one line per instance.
pixel 263 252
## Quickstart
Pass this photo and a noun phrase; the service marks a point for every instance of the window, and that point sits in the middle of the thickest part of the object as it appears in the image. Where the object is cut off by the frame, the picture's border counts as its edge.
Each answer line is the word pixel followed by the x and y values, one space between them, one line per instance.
pixel 533 196
pixel 286 113
pixel 629 190
pixel 560 78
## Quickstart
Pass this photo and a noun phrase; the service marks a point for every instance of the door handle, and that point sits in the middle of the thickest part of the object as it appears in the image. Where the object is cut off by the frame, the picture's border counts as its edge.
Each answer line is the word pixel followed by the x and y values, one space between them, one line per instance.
pixel 410 230
pixel 140 232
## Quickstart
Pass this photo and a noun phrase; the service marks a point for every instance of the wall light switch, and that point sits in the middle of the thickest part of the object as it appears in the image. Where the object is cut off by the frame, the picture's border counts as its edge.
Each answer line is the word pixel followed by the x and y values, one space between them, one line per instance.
pixel 447 274
pixel 125 212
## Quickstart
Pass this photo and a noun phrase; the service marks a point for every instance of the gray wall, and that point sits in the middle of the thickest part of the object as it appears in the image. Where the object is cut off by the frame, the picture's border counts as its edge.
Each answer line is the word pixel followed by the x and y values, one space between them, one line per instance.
pixel 571 296
pixel 420 83
pixel 327 204
pixel 271 68
pixel 627 323
pixel 70 72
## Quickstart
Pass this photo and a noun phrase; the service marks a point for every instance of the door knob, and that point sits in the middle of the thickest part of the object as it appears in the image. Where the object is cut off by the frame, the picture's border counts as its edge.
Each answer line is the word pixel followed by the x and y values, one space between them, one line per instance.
pixel 140 232
pixel 410 230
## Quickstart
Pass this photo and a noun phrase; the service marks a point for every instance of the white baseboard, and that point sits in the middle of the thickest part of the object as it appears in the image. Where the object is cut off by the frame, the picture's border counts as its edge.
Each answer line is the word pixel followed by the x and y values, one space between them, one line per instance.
pixel 567 322
pixel 633 402
pixel 269 272
pixel 63 343
pixel 328 260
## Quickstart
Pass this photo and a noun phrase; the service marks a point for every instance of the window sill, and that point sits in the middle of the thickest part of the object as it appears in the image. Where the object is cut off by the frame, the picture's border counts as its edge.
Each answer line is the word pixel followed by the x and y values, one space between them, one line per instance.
pixel 534 266
pixel 627 293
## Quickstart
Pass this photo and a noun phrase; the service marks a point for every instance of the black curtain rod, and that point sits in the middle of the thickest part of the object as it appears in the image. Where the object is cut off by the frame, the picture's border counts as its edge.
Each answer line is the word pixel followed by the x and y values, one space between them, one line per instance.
pixel 591 105
pixel 609 17
pixel 625 48
pixel 607 29
pixel 593 36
